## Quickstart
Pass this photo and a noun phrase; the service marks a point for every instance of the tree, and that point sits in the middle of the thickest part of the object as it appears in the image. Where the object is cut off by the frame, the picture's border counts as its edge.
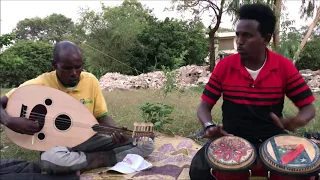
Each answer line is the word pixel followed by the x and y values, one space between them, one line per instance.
pixel 130 40
pixel 170 43
pixel 25 60
pixel 110 34
pixel 198 8
pixel 310 56
pixel 289 39
pixel 6 40
pixel 307 12
pixel 276 34
pixel 53 28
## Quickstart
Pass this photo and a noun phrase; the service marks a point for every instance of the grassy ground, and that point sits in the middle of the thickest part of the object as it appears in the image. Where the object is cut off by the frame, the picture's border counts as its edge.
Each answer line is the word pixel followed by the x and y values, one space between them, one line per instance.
pixel 124 108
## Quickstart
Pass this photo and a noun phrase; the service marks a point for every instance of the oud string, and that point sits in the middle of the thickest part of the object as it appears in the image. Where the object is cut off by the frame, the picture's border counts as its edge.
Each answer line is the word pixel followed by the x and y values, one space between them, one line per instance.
pixel 63 123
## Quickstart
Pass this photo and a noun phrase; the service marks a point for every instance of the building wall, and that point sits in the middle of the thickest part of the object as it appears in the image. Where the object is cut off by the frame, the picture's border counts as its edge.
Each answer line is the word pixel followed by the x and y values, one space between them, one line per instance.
pixel 226 44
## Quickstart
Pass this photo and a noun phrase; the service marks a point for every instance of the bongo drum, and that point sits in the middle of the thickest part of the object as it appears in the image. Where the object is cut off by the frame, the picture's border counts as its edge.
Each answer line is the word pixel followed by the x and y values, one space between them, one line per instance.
pixel 290 157
pixel 230 157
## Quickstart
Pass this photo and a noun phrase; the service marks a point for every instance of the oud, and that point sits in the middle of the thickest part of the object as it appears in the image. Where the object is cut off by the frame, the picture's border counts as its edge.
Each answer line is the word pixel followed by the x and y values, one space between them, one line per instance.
pixel 63 120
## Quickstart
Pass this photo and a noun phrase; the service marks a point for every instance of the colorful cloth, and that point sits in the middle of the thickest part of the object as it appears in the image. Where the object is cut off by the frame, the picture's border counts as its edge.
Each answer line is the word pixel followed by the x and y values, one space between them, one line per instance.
pixel 171 159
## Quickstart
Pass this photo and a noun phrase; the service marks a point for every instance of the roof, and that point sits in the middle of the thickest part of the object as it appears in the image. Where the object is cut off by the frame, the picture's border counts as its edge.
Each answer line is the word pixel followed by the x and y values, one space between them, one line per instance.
pixel 226 34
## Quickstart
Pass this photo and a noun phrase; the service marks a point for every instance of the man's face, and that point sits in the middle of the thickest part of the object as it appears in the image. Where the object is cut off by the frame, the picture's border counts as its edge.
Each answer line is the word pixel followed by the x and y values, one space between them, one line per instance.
pixel 249 40
pixel 69 68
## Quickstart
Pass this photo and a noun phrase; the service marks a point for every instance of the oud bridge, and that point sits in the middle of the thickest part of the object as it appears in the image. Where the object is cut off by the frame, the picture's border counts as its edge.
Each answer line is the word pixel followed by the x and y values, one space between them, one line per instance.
pixel 142 133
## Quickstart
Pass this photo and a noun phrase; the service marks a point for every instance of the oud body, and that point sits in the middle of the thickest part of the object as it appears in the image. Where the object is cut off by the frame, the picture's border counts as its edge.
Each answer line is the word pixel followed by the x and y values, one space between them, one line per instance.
pixel 63 120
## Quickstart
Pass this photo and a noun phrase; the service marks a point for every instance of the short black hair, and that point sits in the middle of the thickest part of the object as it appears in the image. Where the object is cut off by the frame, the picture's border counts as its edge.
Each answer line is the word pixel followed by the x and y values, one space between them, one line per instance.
pixel 63 46
pixel 261 13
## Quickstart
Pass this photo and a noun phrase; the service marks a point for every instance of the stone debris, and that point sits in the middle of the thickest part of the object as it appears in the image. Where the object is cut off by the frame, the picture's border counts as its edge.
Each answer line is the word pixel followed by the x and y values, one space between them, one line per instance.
pixel 312 78
pixel 186 76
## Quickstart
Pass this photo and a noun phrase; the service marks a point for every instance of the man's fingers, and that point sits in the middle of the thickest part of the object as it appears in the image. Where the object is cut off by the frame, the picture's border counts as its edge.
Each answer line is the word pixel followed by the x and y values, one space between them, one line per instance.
pixel 211 131
pixel 118 137
pixel 277 120
pixel 35 125
pixel 223 132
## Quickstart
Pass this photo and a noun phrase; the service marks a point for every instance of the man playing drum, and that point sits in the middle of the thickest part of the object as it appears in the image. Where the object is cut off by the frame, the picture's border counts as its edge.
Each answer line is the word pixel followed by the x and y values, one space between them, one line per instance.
pixel 254 83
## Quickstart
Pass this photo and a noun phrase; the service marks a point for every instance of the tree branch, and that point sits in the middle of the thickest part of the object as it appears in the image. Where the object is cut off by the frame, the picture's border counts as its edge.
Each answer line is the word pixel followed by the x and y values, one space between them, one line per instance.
pixel 213 6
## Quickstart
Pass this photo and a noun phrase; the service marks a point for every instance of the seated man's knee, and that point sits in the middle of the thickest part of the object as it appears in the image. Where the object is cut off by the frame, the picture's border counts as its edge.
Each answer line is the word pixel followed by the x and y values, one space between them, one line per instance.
pixel 59 160
pixel 146 148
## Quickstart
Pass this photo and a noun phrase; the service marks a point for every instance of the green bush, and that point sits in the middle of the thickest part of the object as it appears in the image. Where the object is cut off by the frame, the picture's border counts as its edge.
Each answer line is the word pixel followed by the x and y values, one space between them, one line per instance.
pixel 310 56
pixel 24 60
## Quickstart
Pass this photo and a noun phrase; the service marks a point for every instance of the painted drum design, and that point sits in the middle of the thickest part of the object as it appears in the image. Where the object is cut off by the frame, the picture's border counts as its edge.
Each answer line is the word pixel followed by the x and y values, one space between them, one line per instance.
pixel 230 153
pixel 291 156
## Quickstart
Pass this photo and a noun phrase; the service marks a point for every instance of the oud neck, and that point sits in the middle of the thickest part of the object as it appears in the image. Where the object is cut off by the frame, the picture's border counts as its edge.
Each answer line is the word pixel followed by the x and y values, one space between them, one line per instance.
pixel 108 130
pixel 140 130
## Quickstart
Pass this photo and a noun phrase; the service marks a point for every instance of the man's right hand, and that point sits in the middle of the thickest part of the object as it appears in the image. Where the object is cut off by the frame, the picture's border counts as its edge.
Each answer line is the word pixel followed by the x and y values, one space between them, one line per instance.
pixel 215 132
pixel 22 125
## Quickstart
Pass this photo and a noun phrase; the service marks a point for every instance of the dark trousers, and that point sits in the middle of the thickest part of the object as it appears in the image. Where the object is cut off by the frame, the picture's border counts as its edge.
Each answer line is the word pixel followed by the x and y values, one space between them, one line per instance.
pixel 18 169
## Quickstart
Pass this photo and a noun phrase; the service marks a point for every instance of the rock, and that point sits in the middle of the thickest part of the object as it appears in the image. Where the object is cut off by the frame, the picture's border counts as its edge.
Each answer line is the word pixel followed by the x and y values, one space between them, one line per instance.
pixel 312 78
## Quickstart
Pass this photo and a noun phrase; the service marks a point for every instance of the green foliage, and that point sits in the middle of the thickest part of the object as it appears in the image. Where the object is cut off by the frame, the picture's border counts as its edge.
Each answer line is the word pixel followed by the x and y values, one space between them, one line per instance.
pixel 170 83
pixel 310 56
pixel 110 35
pixel 158 114
pixel 23 61
pixel 11 70
pixel 6 40
pixel 170 43
pixel 129 40
pixel 53 28
pixel 289 39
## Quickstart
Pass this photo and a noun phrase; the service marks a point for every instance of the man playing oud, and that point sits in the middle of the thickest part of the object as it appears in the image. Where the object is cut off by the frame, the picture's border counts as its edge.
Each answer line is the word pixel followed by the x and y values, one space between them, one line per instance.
pixel 254 83
pixel 99 151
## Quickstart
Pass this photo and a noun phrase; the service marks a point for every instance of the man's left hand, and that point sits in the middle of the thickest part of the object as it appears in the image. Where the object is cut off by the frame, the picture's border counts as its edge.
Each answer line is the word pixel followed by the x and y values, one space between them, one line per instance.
pixel 119 137
pixel 291 123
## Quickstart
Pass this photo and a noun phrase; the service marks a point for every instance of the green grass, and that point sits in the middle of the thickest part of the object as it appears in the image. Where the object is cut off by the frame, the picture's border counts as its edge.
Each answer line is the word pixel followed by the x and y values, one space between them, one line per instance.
pixel 124 108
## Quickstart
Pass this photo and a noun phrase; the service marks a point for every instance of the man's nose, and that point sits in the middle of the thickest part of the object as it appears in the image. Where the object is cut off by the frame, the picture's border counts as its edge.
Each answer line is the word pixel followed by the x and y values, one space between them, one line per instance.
pixel 73 73
pixel 239 40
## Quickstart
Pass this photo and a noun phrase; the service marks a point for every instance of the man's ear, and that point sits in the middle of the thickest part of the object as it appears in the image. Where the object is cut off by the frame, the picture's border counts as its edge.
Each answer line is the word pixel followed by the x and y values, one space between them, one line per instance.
pixel 54 64
pixel 267 38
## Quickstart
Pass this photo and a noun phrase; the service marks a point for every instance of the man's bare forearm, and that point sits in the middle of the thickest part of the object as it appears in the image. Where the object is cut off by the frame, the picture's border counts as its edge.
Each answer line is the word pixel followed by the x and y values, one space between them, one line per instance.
pixel 204 112
pixel 306 114
pixel 3 114
pixel 107 121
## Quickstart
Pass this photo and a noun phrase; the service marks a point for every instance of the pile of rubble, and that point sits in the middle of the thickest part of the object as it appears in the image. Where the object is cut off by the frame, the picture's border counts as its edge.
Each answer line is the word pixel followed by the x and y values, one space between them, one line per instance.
pixel 117 81
pixel 186 76
pixel 312 78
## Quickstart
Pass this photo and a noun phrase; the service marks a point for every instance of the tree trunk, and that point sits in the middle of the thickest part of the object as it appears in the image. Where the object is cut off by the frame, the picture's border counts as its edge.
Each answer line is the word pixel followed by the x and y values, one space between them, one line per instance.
pixel 306 37
pixel 276 36
pixel 212 56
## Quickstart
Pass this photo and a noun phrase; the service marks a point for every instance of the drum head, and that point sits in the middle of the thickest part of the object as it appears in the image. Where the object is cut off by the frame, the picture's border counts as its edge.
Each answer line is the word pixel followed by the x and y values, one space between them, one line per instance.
pixel 230 154
pixel 291 156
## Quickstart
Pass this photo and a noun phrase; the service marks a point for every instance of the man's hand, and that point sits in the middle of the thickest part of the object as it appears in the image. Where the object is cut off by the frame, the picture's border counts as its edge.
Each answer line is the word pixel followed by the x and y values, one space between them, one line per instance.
pixel 119 137
pixel 290 124
pixel 215 132
pixel 22 125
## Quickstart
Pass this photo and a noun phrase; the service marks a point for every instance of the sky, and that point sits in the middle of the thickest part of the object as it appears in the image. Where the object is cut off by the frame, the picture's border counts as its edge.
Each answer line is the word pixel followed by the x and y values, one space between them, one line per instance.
pixel 12 11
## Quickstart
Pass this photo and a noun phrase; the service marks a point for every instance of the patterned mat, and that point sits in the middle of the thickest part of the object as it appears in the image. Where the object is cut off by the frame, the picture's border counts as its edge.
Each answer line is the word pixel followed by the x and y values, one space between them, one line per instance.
pixel 171 159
